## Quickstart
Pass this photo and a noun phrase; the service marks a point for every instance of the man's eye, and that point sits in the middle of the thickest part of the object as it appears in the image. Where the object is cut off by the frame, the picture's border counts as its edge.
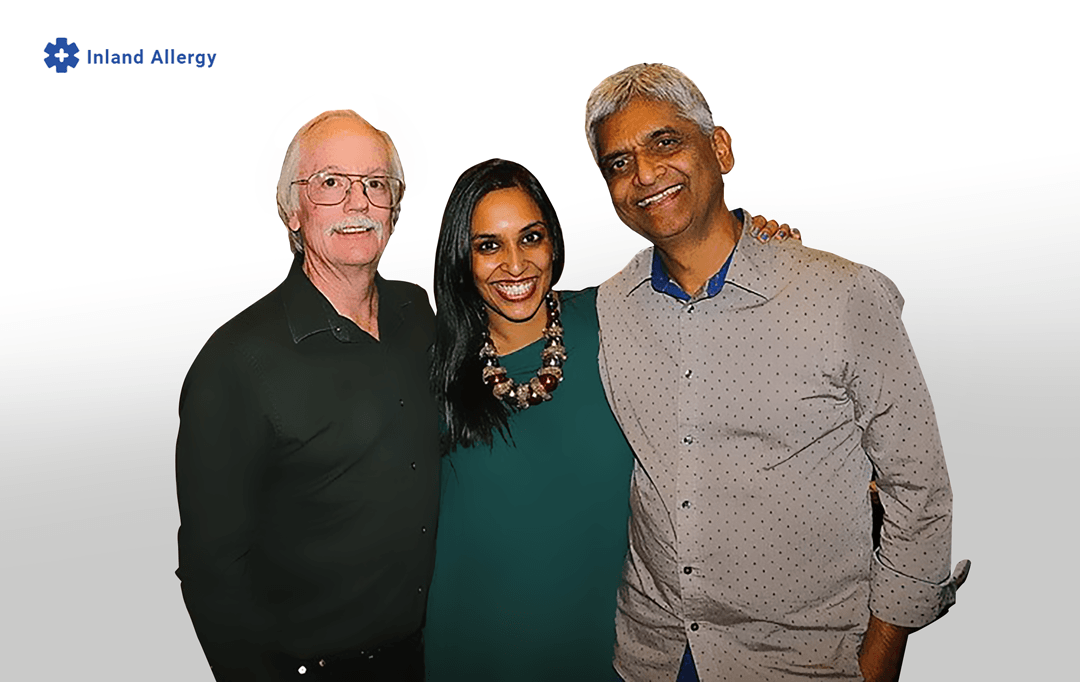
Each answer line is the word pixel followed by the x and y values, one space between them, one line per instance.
pixel 616 165
pixel 667 142
pixel 375 183
pixel 330 181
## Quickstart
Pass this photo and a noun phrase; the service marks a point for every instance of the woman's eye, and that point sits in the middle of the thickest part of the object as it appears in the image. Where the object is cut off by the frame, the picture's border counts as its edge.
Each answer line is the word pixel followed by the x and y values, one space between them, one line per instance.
pixel 533 238
pixel 485 247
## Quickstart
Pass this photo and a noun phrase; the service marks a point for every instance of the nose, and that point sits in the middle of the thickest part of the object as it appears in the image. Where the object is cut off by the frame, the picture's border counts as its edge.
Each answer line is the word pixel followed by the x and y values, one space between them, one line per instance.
pixel 355 199
pixel 515 260
pixel 647 169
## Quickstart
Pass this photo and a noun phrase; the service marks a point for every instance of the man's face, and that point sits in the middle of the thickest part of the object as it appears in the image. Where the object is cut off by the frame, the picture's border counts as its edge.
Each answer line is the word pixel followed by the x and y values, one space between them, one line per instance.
pixel 354 232
pixel 664 175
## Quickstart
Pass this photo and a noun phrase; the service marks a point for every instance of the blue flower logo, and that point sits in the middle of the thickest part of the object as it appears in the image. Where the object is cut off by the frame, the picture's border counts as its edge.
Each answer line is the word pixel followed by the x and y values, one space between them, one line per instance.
pixel 61 55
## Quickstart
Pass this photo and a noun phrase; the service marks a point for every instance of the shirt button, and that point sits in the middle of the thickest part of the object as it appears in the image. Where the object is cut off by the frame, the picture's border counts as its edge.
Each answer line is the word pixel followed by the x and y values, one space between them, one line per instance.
pixel 420 589
pixel 423 529
pixel 302 669
pixel 686 504
pixel 401 402
pixel 322 662
pixel 690 308
pixel 689 373
pixel 694 627
pixel 413 465
pixel 687 440
pixel 687 570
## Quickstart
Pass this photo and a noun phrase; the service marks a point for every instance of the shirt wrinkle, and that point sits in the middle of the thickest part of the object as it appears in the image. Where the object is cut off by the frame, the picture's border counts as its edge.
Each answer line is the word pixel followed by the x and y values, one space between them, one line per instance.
pixel 296 465
pixel 758 416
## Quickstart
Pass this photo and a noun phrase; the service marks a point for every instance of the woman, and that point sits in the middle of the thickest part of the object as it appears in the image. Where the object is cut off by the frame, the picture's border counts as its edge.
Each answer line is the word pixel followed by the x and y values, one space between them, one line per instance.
pixel 532 526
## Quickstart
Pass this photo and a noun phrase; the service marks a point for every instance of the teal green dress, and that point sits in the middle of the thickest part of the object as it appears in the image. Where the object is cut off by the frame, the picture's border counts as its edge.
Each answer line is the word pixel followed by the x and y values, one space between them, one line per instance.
pixel 533 533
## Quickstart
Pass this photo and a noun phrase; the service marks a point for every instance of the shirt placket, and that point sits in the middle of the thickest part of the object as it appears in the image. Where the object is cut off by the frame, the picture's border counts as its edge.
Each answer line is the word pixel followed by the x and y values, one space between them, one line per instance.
pixel 687 375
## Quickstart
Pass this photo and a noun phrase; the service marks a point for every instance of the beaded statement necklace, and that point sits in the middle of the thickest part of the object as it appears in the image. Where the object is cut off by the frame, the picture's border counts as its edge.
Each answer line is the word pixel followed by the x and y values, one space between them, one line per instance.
pixel 547 378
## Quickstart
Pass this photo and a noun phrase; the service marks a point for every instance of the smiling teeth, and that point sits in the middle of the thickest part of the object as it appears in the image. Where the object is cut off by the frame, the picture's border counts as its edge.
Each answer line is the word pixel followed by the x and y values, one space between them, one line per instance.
pixel 657 197
pixel 352 230
pixel 516 290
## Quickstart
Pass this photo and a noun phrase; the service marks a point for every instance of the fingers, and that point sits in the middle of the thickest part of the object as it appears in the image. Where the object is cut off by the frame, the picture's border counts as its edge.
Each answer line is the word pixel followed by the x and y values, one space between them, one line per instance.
pixel 764 230
pixel 756 223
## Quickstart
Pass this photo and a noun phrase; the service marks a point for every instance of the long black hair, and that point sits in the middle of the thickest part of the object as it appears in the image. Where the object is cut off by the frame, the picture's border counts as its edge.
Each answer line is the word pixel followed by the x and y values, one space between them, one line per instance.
pixel 470 412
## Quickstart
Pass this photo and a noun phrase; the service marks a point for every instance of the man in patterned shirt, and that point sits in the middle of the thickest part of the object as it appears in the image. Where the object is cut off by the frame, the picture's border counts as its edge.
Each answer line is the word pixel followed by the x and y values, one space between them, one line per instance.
pixel 762 389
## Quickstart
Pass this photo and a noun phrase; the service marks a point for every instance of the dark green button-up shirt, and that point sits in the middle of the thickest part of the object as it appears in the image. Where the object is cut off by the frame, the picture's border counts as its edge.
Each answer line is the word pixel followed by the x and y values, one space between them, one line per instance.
pixel 307 471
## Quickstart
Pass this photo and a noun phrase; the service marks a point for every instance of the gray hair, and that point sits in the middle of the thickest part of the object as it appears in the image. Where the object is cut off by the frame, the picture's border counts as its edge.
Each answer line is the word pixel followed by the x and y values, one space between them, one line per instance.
pixel 656 82
pixel 288 194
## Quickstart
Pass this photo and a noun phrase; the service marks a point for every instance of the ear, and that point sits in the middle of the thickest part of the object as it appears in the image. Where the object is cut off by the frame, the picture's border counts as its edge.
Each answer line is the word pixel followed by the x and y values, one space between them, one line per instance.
pixel 721 143
pixel 294 222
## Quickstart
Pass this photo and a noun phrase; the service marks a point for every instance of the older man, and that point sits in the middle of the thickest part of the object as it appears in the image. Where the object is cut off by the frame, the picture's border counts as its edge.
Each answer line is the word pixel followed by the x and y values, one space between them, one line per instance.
pixel 307 458
pixel 761 388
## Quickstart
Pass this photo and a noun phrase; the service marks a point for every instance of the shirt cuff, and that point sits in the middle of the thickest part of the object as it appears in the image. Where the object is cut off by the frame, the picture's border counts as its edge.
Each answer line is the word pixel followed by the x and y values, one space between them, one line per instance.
pixel 910 602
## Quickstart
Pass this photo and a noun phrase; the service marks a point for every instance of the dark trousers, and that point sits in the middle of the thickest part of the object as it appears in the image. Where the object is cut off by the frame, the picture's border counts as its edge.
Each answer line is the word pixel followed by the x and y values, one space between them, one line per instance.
pixel 687 671
pixel 398 662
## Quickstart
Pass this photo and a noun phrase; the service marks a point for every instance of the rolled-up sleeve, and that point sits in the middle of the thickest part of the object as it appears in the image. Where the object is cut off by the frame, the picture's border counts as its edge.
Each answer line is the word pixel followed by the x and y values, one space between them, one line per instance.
pixel 910 583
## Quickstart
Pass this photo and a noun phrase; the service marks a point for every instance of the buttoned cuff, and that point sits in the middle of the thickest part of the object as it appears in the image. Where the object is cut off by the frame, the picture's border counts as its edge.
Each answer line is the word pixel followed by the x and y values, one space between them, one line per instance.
pixel 910 602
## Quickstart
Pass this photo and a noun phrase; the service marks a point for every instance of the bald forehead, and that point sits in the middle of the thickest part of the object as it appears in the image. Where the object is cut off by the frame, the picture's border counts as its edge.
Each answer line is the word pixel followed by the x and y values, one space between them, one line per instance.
pixel 343 143
pixel 332 124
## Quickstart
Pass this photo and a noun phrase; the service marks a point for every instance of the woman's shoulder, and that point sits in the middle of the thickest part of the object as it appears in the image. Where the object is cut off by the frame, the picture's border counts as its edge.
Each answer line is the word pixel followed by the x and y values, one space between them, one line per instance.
pixel 577 303
pixel 578 313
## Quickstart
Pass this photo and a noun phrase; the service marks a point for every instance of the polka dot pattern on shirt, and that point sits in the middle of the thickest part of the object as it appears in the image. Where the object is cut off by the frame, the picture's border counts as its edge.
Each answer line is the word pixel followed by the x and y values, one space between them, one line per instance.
pixel 758 417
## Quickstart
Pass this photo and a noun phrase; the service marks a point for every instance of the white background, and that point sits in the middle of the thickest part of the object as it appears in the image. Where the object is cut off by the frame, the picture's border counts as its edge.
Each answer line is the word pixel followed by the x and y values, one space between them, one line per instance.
pixel 936 142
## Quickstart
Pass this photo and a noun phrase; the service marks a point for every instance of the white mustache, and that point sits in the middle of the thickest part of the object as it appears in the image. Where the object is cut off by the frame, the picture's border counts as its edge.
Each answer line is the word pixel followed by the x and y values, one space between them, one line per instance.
pixel 357 221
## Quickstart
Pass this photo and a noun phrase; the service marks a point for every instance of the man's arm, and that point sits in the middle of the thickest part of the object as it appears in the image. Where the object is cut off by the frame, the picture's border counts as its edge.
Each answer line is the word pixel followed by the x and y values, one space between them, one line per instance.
pixel 910 581
pixel 219 449
pixel 882 651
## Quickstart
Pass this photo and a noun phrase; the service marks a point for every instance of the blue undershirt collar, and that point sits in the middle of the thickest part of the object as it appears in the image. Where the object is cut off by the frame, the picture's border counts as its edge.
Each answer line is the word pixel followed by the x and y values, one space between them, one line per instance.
pixel 662 283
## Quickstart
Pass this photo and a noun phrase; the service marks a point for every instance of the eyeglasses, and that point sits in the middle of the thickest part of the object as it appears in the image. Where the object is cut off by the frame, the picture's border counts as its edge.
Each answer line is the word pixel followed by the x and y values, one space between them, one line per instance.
pixel 329 189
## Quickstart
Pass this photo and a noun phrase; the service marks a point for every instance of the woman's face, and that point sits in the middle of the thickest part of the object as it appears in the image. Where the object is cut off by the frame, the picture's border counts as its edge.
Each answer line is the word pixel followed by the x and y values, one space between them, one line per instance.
pixel 511 255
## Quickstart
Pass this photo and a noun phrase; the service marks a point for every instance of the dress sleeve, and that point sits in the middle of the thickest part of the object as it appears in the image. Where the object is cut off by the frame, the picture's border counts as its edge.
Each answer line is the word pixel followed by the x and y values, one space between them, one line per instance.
pixel 222 441
pixel 910 582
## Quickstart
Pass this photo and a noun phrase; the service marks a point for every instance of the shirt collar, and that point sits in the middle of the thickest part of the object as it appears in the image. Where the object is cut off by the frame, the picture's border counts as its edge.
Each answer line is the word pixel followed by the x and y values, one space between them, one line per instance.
pixel 309 312
pixel 662 282
pixel 759 268
pixel 754 268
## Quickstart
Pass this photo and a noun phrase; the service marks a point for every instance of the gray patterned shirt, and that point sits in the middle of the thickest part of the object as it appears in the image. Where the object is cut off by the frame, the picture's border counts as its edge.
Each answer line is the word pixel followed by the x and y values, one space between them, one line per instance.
pixel 758 417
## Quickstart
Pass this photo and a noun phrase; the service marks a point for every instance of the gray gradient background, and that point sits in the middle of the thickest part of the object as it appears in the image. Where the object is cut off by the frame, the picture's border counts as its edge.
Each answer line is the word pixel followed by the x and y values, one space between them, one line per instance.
pixel 936 142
